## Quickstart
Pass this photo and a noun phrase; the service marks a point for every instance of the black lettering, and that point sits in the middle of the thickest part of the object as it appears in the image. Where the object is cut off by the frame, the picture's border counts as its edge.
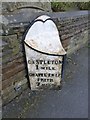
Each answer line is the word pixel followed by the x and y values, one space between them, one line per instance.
pixel 43 84
pixel 43 68
pixel 47 80
pixel 53 68
pixel 48 62
pixel 41 61
pixel 31 74
pixel 37 67
pixel 38 79
pixel 37 62
pixel 48 68
pixel 52 75
pixel 56 62
pixel 44 80
pixel 38 83
pixel 60 62
pixel 41 79
pixel 30 62
pixel 57 75
pixel 44 62
pixel 40 75
pixel 45 74
pixel 53 61
pixel 51 80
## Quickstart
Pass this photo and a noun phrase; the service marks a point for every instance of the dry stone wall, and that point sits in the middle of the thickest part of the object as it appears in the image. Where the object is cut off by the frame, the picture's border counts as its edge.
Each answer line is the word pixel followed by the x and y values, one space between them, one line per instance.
pixel 73 29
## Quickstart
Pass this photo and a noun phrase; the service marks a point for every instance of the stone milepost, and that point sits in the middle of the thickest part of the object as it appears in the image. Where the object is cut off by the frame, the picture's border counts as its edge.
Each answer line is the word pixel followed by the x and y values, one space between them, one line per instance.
pixel 44 54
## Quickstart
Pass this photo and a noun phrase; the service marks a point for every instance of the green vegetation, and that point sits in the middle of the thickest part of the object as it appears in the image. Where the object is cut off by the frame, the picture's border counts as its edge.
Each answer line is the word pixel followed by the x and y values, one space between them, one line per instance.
pixel 67 6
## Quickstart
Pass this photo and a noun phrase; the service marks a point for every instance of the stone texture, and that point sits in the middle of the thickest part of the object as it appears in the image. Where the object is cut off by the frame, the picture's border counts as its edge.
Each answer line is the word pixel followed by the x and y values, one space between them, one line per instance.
pixel 12 72
pixel 12 80
pixel 12 6
pixel 9 58
pixel 12 42
pixel 78 42
pixel 11 93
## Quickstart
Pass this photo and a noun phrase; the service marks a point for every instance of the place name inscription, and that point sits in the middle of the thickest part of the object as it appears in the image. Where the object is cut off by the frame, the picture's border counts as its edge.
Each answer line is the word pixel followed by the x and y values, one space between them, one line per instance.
pixel 44 71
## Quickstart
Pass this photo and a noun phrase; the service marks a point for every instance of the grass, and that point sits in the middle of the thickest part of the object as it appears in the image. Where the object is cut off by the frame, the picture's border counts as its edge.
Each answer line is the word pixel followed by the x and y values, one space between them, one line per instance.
pixel 67 6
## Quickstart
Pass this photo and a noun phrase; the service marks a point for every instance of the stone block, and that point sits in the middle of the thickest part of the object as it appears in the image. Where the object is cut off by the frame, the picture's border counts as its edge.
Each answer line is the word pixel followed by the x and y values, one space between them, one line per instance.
pixel 77 42
pixel 12 42
pixel 12 64
pixel 12 80
pixel 10 93
pixel 12 72
pixel 12 6
pixel 10 58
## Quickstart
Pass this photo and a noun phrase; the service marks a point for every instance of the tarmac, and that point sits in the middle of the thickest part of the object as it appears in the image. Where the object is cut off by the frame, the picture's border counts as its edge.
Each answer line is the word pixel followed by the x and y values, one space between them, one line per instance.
pixel 69 102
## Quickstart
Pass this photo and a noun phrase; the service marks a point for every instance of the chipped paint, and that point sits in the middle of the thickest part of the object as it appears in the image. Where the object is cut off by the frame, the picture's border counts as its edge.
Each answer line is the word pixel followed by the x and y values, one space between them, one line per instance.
pixel 45 36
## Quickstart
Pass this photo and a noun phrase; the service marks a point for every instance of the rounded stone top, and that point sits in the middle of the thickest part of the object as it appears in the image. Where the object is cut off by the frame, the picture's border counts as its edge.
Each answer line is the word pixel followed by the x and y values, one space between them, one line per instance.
pixel 43 36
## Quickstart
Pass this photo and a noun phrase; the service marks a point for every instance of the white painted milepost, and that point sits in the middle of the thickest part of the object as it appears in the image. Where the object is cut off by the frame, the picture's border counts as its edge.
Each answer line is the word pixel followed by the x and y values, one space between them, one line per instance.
pixel 44 54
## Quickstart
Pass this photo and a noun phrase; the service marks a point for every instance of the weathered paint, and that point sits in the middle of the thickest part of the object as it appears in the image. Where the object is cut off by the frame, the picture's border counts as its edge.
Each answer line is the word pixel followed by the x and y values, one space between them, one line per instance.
pixel 43 36
pixel 44 54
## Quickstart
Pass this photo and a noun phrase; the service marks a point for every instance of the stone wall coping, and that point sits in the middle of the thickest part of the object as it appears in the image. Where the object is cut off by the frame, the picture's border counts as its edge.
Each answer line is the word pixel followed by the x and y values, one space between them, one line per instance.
pixel 24 16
